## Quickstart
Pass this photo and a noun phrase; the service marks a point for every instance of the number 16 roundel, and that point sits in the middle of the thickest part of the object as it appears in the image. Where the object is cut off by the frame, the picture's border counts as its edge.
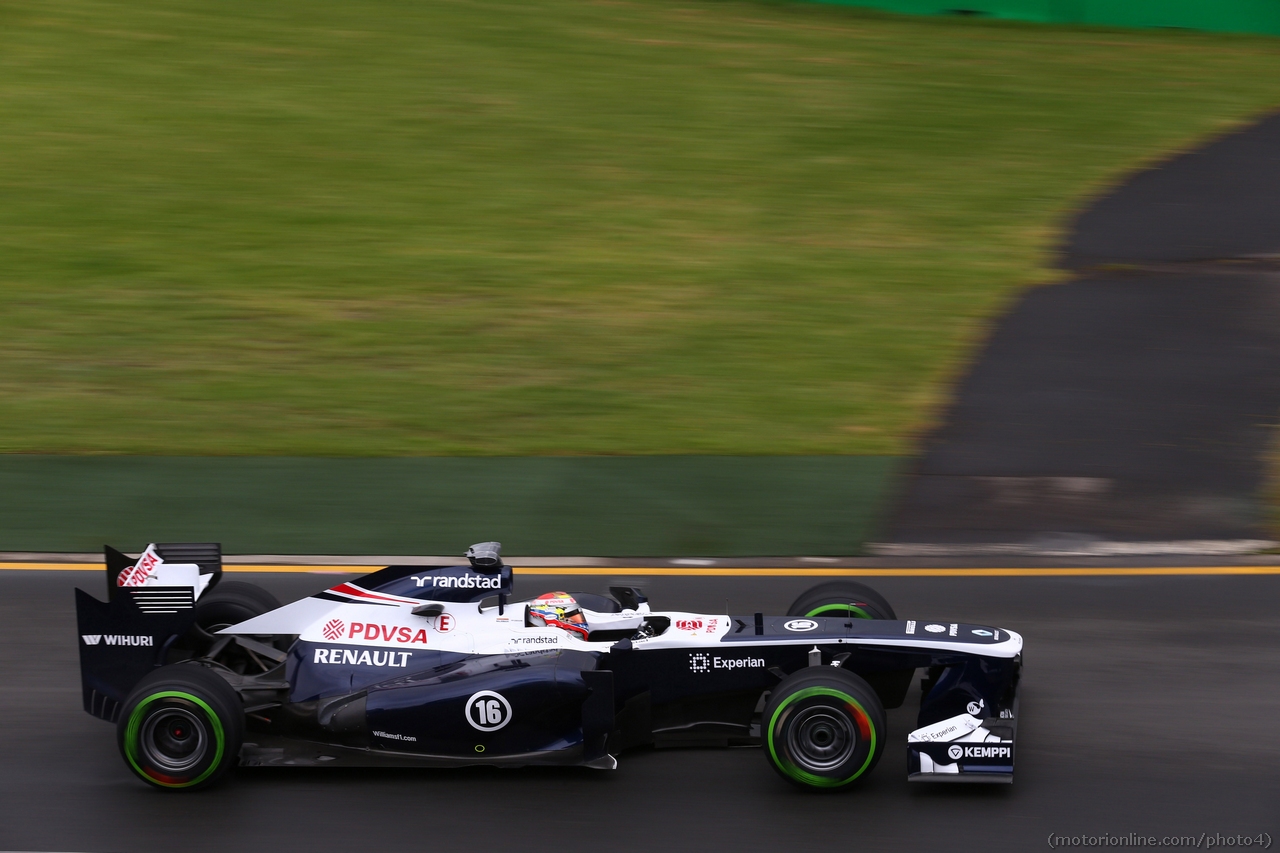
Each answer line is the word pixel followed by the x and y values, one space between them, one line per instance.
pixel 488 711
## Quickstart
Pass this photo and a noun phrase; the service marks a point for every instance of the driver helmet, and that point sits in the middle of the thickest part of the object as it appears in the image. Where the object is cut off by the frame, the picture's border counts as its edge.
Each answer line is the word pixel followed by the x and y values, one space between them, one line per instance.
pixel 558 610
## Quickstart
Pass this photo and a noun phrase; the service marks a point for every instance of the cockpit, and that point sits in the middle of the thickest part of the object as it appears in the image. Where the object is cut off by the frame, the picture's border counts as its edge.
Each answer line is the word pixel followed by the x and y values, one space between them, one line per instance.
pixel 621 615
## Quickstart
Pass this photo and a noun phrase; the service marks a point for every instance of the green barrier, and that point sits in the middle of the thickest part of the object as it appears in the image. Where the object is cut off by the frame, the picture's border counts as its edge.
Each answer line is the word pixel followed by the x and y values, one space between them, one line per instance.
pixel 1233 16
pixel 601 506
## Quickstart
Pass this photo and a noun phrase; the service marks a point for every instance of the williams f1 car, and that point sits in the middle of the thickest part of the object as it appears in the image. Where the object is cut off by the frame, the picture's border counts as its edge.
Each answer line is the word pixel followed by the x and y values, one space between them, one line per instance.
pixel 441 666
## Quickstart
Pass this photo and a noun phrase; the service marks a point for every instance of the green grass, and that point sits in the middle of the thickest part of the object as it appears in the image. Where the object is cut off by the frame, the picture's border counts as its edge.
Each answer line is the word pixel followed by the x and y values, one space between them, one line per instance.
pixel 638 506
pixel 546 227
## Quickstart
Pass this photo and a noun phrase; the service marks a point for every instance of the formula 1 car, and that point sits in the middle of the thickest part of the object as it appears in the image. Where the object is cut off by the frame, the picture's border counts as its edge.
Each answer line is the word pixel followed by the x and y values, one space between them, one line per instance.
pixel 438 666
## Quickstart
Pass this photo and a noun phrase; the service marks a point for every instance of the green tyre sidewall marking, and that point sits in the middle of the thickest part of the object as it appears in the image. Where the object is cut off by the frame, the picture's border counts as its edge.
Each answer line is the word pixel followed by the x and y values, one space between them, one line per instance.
pixel 847 608
pixel 135 723
pixel 803 775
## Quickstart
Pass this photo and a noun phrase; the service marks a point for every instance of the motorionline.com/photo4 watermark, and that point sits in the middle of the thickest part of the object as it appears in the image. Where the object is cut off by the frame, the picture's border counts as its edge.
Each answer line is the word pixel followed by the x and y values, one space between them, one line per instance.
pixel 1203 841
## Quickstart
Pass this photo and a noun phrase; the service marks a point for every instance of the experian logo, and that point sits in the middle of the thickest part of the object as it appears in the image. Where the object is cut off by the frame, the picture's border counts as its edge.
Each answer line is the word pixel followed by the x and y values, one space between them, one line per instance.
pixel 705 663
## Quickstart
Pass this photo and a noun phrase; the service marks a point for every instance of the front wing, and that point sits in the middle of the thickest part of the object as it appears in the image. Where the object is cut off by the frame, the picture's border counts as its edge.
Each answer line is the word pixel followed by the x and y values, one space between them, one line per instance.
pixel 964 748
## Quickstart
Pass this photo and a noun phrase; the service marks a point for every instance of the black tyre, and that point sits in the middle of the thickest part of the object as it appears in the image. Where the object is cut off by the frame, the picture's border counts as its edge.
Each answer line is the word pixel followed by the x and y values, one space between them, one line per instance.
pixel 227 604
pixel 231 602
pixel 181 727
pixel 842 598
pixel 823 728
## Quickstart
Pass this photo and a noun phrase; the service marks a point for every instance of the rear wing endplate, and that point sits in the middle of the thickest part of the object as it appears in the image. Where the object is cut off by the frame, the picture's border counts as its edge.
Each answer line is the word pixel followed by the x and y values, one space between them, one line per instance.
pixel 131 633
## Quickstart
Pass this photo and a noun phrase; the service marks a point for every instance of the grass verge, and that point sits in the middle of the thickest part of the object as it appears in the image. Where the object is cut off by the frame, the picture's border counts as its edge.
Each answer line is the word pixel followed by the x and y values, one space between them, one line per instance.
pixel 550 227
pixel 602 506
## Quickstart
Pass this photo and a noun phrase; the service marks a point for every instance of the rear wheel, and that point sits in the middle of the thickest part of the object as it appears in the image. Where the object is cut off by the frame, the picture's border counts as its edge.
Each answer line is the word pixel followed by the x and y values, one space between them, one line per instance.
pixel 229 603
pixel 823 728
pixel 842 599
pixel 181 727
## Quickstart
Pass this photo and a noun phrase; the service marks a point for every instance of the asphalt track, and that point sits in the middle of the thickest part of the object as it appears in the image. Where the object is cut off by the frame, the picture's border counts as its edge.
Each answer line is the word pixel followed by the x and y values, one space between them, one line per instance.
pixel 1136 401
pixel 1219 201
pixel 1150 706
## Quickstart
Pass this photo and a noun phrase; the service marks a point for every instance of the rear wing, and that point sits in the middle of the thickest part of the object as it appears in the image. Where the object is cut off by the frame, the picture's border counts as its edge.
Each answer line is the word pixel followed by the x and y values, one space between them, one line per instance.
pixel 150 605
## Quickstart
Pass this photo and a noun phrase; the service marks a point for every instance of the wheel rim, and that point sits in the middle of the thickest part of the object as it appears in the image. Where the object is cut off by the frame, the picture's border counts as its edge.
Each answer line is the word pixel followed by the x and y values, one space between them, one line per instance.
pixel 821 738
pixel 147 764
pixel 856 610
pixel 792 757
pixel 173 739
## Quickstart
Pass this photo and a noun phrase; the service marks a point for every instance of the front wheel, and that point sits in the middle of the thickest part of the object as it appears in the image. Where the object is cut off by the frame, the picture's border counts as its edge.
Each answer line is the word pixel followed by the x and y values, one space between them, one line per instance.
pixel 824 728
pixel 181 727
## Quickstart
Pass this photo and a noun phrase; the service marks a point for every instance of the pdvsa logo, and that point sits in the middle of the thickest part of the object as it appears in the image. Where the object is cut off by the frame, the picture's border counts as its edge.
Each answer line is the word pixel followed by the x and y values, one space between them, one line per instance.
pixel 689 624
pixel 488 711
pixel 136 574
pixel 401 635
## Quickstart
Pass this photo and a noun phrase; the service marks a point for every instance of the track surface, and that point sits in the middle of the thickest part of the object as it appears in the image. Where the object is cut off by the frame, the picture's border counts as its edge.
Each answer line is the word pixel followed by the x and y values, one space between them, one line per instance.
pixel 1131 405
pixel 1118 407
pixel 1220 201
pixel 1149 706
